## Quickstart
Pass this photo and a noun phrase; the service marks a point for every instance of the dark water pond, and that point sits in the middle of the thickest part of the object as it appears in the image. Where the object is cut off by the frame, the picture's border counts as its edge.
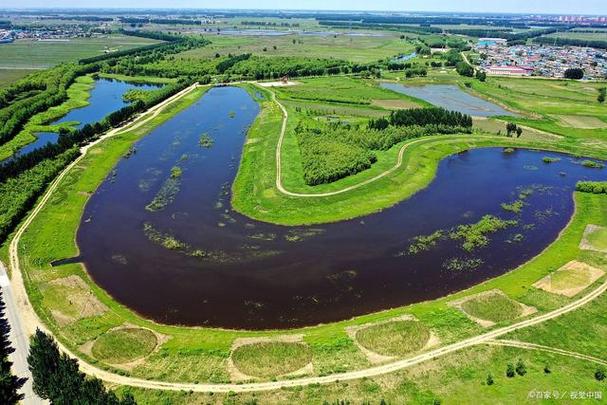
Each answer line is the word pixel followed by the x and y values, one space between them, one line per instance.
pixel 194 261
pixel 105 98
pixel 450 97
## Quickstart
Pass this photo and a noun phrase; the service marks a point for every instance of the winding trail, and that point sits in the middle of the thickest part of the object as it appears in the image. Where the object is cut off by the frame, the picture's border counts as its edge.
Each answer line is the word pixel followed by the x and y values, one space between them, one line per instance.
pixel 30 320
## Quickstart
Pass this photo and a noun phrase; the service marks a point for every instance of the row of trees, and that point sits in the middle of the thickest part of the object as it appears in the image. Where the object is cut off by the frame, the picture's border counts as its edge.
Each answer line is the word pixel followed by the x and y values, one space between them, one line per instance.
pixel 19 193
pixel 9 383
pixel 561 41
pixel 423 117
pixel 57 377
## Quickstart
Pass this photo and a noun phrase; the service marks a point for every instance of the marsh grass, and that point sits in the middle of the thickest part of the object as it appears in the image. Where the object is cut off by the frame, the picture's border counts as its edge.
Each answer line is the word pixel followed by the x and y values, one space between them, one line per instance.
pixel 475 235
pixel 396 338
pixel 492 307
pixel 124 345
pixel 206 141
pixel 271 359
pixel 168 191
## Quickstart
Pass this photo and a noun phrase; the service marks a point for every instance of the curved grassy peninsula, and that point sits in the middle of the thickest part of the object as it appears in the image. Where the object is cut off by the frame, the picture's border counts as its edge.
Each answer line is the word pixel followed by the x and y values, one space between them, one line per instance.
pixel 93 325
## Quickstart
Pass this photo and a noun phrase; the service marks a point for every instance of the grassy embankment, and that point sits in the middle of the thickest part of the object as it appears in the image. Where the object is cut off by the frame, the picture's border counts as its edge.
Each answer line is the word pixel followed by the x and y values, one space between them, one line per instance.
pixel 200 354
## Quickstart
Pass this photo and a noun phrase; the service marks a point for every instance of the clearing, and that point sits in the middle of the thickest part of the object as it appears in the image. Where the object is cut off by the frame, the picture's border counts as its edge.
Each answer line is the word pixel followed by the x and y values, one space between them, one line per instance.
pixel 570 279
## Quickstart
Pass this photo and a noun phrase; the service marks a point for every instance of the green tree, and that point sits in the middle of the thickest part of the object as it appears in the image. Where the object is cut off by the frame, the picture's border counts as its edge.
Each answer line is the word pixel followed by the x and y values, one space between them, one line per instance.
pixel 521 369
pixel 574 73
pixel 510 371
pixel 600 374
pixel 490 379
pixel 9 383
pixel 58 378
pixel 602 94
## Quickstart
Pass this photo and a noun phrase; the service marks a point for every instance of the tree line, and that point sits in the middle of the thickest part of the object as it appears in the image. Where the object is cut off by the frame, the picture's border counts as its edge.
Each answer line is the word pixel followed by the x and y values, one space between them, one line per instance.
pixel 559 41
pixel 423 117
pixel 57 377
pixel 9 383
pixel 593 187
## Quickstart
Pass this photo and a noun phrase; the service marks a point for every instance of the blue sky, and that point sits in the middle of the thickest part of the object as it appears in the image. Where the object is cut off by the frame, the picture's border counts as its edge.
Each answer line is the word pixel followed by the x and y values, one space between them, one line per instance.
pixel 523 6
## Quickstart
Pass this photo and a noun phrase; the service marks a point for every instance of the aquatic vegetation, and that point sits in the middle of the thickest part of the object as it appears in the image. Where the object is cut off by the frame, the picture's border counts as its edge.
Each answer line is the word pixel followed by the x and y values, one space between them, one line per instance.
pixel 508 150
pixel 299 235
pixel 592 164
pixel 206 141
pixel 168 191
pixel 462 264
pixel 515 206
pixel 475 235
pixel 425 242
pixel 163 239
pixel 232 114
pixel 548 159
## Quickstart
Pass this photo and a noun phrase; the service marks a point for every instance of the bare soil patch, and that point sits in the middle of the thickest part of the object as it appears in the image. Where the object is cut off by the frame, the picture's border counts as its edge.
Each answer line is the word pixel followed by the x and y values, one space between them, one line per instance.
pixel 595 238
pixel 581 121
pixel 571 279
pixel 71 299
pixel 394 104
pixel 278 84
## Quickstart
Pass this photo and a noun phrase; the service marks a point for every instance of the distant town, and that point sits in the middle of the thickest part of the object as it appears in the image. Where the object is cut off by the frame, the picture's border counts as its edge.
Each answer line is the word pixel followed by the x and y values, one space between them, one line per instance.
pixel 496 58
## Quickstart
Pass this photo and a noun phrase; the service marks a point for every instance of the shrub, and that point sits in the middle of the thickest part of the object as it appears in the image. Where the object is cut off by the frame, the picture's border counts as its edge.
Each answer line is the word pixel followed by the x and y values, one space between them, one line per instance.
pixel 594 187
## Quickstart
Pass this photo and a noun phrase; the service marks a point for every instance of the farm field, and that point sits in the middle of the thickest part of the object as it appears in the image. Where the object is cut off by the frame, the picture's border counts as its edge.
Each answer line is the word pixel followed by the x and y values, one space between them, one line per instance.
pixel 26 54
pixel 360 49
pixel 313 190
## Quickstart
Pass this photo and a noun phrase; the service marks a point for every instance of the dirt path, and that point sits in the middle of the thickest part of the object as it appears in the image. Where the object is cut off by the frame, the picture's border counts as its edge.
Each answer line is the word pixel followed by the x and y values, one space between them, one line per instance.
pixel 532 346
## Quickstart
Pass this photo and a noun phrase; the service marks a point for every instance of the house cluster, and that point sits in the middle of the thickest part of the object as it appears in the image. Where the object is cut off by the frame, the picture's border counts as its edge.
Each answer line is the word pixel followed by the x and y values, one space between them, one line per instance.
pixel 43 34
pixel 541 60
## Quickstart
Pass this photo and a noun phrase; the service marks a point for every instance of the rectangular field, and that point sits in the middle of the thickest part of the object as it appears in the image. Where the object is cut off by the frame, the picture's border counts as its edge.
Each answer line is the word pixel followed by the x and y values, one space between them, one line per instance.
pixel 26 54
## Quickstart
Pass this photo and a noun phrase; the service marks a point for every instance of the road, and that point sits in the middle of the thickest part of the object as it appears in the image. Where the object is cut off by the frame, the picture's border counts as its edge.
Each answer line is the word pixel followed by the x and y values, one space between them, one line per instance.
pixel 19 301
pixel 19 340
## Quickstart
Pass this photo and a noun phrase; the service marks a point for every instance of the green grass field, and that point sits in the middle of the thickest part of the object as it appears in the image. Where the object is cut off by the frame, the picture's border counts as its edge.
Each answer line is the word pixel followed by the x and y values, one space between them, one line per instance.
pixel 361 49
pixel 26 54
pixel 124 345
pixel 271 359
pixel 396 338
pixel 8 76
pixel 492 307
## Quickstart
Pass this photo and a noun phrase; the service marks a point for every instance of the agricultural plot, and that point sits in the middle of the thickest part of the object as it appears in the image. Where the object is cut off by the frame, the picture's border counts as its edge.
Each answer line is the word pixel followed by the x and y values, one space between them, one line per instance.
pixel 571 279
pixel 492 307
pixel 26 54
pixel 359 49
pixel 263 357
pixel 595 238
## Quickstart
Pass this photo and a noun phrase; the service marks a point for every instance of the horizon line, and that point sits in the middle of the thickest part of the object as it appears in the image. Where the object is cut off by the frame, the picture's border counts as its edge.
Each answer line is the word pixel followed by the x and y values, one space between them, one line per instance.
pixel 113 8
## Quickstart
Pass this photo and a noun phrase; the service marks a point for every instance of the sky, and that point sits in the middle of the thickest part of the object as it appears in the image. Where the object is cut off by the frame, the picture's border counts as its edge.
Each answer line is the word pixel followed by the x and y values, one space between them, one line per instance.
pixel 505 6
